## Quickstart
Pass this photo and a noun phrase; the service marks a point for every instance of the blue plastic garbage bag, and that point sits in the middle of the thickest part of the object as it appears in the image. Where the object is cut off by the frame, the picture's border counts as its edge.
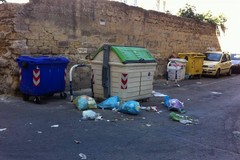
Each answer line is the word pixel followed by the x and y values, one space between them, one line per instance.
pixel 110 103
pixel 174 104
pixel 85 102
pixel 130 107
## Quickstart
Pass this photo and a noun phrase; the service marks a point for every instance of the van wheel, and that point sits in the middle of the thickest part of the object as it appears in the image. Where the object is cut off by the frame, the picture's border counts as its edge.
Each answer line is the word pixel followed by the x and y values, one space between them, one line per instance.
pixel 229 72
pixel 217 75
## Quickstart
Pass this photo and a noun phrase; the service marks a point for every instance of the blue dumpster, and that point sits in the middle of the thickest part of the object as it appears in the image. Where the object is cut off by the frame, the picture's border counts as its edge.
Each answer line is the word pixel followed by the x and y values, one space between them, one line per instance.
pixel 41 76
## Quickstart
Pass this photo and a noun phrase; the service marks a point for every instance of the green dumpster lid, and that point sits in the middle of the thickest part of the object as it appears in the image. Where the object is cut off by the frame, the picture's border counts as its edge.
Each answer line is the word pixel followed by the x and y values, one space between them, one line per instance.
pixel 129 54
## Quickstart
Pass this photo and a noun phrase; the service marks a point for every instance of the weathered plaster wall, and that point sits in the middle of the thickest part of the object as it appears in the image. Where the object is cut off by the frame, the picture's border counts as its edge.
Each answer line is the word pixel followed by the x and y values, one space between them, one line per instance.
pixel 76 28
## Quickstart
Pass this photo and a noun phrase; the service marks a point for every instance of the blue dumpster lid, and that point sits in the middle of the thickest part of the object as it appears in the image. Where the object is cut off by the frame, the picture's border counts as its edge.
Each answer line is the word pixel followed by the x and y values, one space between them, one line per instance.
pixel 42 59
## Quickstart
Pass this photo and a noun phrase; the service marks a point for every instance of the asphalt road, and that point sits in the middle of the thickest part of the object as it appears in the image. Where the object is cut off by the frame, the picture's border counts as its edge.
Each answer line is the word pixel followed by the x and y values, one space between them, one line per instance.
pixel 27 129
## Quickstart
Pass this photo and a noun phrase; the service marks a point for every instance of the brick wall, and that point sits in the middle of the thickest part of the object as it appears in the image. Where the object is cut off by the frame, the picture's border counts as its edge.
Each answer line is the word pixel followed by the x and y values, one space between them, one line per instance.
pixel 76 28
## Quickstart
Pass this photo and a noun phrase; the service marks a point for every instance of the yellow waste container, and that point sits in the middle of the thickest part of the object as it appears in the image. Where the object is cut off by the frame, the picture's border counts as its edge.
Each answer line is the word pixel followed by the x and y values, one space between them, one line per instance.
pixel 194 64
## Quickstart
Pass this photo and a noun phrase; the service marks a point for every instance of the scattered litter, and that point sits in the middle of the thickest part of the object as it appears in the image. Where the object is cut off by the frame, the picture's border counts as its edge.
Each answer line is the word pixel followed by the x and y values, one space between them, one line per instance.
pixel 159 112
pixel 55 126
pixel 183 119
pixel 3 129
pixel 143 117
pixel 4 99
pixel 128 119
pixel 199 82
pixel 130 107
pixel 218 93
pixel 84 102
pixel 149 108
pixel 90 114
pixel 77 142
pixel 174 104
pixel 39 132
pixel 148 125
pixel 108 120
pixel 110 103
pixel 115 110
pixel 157 94
pixel 83 156
pixel 188 99
pixel 99 117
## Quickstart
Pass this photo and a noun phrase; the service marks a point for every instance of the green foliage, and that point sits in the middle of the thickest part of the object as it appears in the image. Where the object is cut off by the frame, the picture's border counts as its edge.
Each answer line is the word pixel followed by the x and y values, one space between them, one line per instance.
pixel 189 12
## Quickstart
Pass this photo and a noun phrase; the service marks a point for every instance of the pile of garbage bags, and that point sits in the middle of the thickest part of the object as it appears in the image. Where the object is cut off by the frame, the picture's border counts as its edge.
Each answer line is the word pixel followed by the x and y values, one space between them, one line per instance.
pixel 85 102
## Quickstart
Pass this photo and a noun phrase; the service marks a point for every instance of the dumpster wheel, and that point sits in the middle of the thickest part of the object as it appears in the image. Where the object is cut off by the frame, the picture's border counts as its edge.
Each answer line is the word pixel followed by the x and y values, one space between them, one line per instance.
pixel 37 99
pixel 63 95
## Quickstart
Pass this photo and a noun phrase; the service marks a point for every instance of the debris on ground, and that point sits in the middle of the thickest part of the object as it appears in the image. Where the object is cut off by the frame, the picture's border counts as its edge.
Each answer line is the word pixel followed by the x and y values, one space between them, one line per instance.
pixel 159 112
pixel 110 103
pixel 55 126
pixel 148 125
pixel 149 108
pixel 83 156
pixel 90 114
pixel 174 104
pixel 77 142
pixel 115 110
pixel 3 129
pixel 85 102
pixel 218 93
pixel 128 119
pixel 157 94
pixel 183 118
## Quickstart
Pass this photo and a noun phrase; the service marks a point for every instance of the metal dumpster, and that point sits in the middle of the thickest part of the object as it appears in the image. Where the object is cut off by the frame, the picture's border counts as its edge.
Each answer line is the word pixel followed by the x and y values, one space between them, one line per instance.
pixel 194 64
pixel 123 71
pixel 40 76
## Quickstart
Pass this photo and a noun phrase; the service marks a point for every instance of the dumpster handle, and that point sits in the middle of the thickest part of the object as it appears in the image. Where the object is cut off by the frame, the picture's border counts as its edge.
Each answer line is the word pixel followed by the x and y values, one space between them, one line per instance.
pixel 70 78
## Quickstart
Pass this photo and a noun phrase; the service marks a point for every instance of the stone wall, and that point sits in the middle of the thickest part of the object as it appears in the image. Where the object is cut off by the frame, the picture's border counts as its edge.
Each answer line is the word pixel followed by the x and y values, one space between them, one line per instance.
pixel 76 28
